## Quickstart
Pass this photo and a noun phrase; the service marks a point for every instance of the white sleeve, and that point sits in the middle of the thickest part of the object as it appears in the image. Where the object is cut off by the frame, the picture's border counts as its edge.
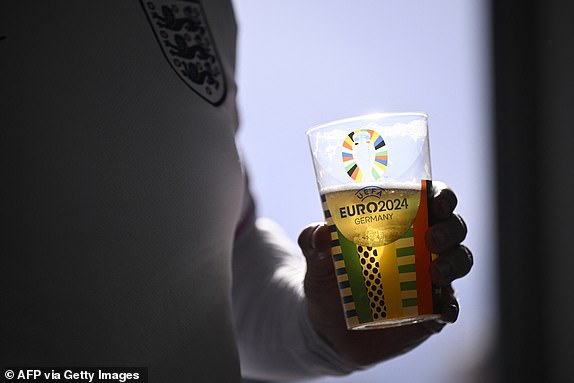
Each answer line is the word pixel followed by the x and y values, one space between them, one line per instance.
pixel 275 337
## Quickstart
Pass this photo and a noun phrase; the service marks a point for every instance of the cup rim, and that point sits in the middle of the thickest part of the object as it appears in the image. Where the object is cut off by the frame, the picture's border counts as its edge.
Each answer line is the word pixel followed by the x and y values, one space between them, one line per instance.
pixel 365 117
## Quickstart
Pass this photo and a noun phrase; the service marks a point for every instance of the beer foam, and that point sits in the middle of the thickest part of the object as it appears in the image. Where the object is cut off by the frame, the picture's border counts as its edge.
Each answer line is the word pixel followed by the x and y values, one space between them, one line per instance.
pixel 408 185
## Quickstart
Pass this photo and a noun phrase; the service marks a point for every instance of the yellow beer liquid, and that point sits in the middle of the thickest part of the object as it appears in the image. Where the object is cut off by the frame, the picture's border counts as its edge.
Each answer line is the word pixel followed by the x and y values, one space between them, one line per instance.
pixel 373 215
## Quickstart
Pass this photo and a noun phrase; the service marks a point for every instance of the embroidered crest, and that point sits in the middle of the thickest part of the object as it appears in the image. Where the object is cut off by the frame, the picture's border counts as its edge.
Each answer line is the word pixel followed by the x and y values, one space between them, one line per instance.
pixel 183 34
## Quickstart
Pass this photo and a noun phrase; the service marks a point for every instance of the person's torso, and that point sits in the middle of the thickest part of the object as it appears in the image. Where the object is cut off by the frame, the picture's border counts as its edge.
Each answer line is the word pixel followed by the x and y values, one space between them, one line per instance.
pixel 123 184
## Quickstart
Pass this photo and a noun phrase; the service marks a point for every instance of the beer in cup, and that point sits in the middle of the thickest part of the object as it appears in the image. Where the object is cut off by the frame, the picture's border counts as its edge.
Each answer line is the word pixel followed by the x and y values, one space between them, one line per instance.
pixel 374 178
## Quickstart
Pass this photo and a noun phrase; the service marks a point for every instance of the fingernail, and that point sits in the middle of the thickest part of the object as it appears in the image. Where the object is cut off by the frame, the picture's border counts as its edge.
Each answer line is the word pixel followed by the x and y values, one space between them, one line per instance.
pixel 319 244
pixel 313 240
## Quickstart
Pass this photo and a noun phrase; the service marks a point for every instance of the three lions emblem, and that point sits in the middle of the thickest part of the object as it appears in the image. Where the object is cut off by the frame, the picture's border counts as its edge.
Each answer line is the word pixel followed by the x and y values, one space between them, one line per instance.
pixel 183 34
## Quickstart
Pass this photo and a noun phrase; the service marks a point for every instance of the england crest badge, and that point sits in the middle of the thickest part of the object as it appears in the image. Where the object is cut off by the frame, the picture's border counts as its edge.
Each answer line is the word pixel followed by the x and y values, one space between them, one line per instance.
pixel 183 33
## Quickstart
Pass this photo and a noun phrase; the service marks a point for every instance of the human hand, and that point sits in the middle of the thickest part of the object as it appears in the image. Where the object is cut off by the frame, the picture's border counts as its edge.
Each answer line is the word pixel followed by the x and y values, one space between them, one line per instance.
pixel 444 237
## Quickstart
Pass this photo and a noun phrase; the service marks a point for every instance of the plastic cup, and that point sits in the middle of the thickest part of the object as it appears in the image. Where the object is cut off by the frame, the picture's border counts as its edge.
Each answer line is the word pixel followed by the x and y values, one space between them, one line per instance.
pixel 374 177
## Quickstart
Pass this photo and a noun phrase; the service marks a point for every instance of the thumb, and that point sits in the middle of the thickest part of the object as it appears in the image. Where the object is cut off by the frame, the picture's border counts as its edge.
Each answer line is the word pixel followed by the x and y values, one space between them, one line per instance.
pixel 315 242
pixel 321 291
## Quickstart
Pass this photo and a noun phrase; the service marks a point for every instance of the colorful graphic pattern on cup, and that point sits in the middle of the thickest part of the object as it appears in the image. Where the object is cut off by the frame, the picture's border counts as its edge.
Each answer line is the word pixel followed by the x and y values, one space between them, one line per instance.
pixel 364 155
pixel 385 285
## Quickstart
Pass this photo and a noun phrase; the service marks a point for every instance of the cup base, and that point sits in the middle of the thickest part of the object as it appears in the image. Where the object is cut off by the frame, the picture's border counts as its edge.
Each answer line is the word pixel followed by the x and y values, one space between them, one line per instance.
pixel 394 322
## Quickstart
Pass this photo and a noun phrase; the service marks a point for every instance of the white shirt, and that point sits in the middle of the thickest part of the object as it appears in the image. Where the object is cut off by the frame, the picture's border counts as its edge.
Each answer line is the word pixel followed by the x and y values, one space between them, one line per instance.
pixel 124 193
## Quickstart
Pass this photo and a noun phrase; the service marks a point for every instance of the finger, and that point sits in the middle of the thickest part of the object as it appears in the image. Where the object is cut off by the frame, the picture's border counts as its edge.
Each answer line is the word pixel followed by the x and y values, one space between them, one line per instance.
pixel 315 242
pixel 445 234
pixel 449 305
pixel 443 202
pixel 451 264
pixel 320 283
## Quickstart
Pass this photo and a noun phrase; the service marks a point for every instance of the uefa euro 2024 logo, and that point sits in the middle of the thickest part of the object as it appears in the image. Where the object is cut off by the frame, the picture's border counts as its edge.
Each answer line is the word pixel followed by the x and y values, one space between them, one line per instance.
pixel 364 155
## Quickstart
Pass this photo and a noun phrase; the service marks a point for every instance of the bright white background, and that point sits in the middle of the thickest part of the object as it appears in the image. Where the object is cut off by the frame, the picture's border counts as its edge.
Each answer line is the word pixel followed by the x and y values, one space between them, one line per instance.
pixel 305 62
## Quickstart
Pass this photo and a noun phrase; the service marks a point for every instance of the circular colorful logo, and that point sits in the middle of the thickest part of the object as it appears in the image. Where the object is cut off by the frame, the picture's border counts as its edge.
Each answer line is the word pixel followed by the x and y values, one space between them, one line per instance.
pixel 364 155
